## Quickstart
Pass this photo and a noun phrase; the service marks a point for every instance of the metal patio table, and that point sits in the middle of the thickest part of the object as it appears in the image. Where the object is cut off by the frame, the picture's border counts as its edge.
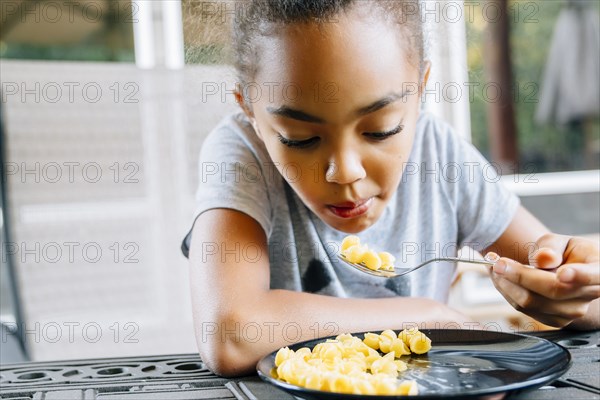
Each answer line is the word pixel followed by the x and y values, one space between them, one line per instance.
pixel 185 377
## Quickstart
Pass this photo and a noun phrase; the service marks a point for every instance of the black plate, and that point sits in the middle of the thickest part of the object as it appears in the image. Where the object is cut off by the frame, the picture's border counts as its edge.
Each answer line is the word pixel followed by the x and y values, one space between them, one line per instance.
pixel 461 363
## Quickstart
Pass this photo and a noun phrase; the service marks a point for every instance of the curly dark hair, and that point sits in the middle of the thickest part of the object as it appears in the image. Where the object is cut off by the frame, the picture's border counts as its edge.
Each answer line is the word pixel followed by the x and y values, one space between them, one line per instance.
pixel 262 17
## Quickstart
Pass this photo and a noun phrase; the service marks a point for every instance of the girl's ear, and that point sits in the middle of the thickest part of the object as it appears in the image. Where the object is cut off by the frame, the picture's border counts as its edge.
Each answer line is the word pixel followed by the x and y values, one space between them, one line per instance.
pixel 427 69
pixel 239 98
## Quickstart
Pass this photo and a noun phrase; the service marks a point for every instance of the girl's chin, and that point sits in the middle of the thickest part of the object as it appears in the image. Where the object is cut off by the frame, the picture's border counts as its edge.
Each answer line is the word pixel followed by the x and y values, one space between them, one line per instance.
pixel 349 226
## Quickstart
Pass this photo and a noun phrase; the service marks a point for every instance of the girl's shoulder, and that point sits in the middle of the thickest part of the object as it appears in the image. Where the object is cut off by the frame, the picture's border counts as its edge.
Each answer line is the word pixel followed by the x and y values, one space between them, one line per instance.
pixel 232 125
pixel 436 140
pixel 234 135
pixel 431 127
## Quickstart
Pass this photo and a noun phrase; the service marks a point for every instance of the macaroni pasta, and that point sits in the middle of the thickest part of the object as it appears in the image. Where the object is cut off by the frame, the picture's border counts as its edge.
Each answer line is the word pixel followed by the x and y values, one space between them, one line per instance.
pixel 358 253
pixel 348 364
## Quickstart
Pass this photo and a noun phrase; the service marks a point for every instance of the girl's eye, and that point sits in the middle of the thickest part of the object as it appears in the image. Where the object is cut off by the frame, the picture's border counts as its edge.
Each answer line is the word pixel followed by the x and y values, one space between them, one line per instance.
pixel 299 144
pixel 384 135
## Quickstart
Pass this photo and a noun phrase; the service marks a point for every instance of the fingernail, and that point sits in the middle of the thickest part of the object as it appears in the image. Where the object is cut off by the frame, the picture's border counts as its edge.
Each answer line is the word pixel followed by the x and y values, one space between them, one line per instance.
pixel 566 275
pixel 492 257
pixel 500 267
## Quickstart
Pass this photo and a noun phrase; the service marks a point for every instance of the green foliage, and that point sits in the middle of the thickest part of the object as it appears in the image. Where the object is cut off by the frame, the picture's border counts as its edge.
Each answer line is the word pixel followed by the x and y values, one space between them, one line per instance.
pixel 207 54
pixel 66 53
pixel 548 148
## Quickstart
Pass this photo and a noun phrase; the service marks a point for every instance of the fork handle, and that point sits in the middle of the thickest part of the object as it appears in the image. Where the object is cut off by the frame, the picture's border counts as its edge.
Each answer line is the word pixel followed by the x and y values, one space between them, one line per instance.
pixel 465 260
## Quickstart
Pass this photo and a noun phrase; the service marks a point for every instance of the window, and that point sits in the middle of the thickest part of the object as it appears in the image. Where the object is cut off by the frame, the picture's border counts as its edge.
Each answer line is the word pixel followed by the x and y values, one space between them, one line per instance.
pixel 541 147
pixel 81 30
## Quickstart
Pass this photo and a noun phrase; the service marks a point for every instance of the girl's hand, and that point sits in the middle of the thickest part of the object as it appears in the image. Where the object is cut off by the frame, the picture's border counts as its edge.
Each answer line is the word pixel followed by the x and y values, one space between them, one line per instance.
pixel 563 278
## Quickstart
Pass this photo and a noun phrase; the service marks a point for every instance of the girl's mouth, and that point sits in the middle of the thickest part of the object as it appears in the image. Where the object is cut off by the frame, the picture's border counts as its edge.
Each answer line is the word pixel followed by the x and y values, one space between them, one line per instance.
pixel 351 209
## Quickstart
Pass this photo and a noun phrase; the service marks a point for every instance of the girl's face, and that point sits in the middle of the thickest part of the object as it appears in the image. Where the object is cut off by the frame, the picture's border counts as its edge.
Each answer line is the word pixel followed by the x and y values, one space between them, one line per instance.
pixel 336 106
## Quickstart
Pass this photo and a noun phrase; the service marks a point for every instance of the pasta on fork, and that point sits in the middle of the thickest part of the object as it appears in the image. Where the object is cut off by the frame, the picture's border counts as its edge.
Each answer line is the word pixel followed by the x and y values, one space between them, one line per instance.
pixel 358 253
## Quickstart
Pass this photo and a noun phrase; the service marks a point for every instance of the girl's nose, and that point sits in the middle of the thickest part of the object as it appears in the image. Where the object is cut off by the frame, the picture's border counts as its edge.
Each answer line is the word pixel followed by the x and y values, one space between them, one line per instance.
pixel 345 169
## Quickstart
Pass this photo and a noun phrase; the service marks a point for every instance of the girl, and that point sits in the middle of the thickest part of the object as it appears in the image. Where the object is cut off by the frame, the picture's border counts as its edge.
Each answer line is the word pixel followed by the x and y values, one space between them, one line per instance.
pixel 330 142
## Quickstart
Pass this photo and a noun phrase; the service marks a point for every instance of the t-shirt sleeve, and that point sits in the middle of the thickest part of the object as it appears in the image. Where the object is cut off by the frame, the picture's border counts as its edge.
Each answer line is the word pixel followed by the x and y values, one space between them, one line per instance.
pixel 485 207
pixel 232 176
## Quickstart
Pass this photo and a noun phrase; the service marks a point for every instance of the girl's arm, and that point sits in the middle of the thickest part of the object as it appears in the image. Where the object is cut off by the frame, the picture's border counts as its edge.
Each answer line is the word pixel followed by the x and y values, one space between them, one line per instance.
pixel 567 292
pixel 238 318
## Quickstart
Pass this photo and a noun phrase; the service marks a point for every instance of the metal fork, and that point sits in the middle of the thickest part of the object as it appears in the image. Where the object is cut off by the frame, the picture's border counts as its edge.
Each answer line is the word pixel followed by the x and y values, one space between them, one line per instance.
pixel 407 270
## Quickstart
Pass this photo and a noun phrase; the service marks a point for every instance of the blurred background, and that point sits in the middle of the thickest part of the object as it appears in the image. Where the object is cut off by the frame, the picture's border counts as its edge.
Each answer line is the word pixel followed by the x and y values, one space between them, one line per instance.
pixel 105 104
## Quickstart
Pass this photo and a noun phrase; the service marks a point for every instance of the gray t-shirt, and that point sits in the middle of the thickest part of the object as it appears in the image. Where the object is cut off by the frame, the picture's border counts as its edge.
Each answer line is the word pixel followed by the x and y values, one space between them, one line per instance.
pixel 449 197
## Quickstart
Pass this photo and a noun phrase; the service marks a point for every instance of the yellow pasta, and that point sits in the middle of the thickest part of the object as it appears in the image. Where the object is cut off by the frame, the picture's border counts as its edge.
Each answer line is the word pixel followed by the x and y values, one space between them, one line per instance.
pixel 313 381
pixel 364 386
pixel 385 365
pixel 349 241
pixel 406 334
pixel 420 344
pixel 372 357
pixel 348 364
pixel 388 333
pixel 282 355
pixel 387 261
pixel 401 365
pixel 385 344
pixel 304 352
pixel 356 252
pixel 372 340
pixel 408 388
pixel 385 385
pixel 400 348
pixel 371 260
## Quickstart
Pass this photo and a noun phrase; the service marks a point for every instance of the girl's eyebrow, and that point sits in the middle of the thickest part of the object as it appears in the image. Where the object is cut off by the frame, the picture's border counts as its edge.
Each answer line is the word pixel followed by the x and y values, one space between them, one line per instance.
pixel 379 104
pixel 288 112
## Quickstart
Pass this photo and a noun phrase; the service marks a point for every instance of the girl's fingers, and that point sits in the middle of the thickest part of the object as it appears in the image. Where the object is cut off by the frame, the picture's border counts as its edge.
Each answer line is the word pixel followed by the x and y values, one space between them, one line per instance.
pixel 555 321
pixel 554 297
pixel 582 280
pixel 579 274
pixel 582 250
pixel 548 252
pixel 514 294
pixel 555 313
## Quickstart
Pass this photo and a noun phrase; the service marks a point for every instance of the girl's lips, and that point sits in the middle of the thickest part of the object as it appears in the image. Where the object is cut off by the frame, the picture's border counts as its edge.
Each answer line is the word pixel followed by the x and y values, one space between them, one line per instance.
pixel 350 209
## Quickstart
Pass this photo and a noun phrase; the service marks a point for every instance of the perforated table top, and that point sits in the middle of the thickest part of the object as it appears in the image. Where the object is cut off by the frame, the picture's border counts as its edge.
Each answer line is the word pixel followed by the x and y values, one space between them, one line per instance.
pixel 185 377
